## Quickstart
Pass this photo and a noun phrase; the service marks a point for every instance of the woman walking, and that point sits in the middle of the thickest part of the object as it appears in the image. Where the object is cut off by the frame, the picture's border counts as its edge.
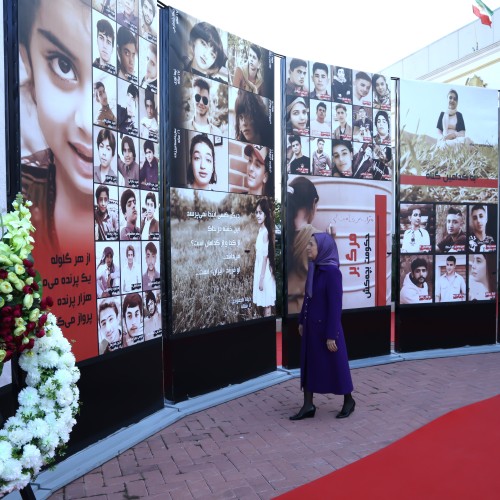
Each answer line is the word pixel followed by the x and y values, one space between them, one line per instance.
pixel 324 366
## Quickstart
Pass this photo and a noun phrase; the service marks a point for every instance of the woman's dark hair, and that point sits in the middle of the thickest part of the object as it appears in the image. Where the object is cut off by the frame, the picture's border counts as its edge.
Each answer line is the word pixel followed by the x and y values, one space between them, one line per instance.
pixel 264 205
pixel 257 50
pixel 253 108
pixel 375 77
pixel 210 35
pixel 302 194
pixel 197 139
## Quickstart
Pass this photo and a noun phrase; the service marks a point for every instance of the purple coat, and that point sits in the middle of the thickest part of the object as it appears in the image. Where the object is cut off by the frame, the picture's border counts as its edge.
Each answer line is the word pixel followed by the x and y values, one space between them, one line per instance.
pixel 321 370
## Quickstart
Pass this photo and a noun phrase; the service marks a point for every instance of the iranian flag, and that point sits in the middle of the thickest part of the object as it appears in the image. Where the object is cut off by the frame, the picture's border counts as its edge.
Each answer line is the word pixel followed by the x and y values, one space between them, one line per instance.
pixel 483 12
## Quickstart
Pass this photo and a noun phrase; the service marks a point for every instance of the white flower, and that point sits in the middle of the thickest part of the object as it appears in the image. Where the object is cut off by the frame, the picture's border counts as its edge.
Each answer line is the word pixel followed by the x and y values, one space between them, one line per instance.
pixel 34 377
pixel 28 362
pixel 63 376
pixel 48 408
pixel 12 469
pixel 38 428
pixel 5 450
pixel 47 405
pixel 28 397
pixel 67 360
pixel 18 437
pixel 13 422
pixel 65 396
pixel 50 441
pixel 48 359
pixel 32 458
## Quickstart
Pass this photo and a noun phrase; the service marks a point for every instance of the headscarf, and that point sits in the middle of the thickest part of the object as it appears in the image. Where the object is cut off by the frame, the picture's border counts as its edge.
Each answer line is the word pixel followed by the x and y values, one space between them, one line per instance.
pixel 328 255
pixel 297 100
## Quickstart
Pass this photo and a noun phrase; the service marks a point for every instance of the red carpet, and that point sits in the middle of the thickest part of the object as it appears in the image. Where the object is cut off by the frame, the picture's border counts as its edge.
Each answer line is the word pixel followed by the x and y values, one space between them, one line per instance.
pixel 454 457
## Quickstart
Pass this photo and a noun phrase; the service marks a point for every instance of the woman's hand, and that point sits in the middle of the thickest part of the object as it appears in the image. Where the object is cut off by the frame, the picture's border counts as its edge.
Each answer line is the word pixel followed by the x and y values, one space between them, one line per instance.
pixel 261 283
pixel 300 330
pixel 331 345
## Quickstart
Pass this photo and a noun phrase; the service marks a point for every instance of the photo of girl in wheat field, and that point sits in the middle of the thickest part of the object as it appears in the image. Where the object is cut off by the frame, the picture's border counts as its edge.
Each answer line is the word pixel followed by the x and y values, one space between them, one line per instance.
pixel 212 258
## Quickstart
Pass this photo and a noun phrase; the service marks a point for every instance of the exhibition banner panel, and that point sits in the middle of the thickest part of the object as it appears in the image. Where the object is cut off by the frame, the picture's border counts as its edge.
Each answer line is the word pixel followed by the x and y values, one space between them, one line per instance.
pixel 89 163
pixel 218 252
pixel 448 193
pixel 339 164
pixel 221 171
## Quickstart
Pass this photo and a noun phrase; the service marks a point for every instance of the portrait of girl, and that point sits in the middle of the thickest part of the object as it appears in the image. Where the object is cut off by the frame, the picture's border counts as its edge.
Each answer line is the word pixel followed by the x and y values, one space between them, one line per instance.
pixel 264 280
pixel 297 115
pixel 200 162
pixel 206 55
pixel 56 94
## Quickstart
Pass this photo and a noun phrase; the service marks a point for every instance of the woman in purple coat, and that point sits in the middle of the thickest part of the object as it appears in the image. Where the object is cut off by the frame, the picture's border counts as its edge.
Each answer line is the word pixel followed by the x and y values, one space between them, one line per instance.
pixel 324 367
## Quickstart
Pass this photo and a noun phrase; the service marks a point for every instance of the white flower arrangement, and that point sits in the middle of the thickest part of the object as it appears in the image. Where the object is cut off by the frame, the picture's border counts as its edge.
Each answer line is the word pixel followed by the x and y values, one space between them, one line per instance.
pixel 46 413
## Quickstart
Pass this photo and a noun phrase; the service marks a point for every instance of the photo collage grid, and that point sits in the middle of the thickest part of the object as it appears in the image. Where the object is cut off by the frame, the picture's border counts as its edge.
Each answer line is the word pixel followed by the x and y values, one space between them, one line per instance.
pixel 338 121
pixel 126 171
pixel 221 171
pixel 222 110
pixel 448 224
pixel 448 252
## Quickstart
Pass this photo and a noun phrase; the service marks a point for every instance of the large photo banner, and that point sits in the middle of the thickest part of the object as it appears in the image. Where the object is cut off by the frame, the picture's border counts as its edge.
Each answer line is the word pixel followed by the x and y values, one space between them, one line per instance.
pixel 222 258
pixel 339 163
pixel 449 193
pixel 89 163
pixel 221 170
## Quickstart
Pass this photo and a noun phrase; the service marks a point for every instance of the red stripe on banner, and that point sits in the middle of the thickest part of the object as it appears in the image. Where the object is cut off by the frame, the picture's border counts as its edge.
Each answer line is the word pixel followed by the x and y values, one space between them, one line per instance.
pixel 380 249
pixel 420 180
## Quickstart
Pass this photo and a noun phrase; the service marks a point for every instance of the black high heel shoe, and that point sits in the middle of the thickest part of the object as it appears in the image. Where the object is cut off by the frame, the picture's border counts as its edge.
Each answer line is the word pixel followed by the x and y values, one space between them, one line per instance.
pixel 304 414
pixel 346 410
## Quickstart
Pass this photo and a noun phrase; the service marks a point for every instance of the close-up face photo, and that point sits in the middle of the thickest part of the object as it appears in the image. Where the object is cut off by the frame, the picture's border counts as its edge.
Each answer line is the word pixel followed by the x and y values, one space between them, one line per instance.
pixel 299 116
pixel 56 60
pixel 362 87
pixel 453 224
pixel 256 173
pixel 128 155
pixel 204 55
pixel 382 125
pixel 202 164
pixel 253 60
pixel 320 80
pixel 381 86
pixel 105 46
pixel 105 153
pixel 298 76
pixel 342 158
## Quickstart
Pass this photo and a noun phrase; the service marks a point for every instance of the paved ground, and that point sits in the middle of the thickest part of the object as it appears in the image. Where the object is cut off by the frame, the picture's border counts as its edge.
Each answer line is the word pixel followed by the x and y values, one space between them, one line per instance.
pixel 249 449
